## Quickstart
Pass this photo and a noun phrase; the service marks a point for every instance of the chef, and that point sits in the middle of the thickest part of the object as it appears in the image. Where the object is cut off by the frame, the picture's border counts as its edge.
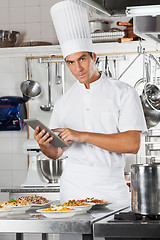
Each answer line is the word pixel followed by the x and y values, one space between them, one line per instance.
pixel 101 118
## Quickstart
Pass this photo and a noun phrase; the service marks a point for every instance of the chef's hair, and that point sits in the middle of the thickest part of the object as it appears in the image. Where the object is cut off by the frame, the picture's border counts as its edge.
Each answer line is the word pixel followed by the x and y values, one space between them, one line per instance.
pixel 90 53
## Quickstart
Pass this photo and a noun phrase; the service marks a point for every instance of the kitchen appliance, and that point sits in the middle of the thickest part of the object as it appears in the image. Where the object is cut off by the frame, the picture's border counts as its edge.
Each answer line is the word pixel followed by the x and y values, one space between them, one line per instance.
pixel 34 177
pixel 12 113
pixel 52 169
pixel 145 189
pixel 128 225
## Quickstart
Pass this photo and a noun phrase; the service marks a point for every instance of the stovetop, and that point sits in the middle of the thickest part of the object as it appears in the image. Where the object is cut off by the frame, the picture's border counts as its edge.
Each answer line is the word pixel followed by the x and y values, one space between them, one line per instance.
pixel 131 216
pixel 128 225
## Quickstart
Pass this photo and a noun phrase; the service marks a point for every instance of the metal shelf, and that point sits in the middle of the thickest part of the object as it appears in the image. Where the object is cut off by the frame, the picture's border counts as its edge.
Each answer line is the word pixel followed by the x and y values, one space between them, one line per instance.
pixel 108 48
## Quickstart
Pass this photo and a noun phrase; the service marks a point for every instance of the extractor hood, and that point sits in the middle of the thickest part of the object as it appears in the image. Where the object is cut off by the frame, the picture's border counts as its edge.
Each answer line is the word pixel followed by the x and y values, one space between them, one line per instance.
pixel 117 7
pixel 145 13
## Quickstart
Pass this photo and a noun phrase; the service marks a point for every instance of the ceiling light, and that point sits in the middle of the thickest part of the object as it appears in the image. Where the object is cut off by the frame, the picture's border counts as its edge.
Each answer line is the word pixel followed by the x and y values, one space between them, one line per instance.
pixel 150 10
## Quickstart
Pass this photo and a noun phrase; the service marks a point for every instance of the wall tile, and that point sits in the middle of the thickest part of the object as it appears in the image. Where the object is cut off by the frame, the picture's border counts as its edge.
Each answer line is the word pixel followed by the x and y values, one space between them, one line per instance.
pixel 32 14
pixel 4 15
pixel 17 15
pixel 19 177
pixel 5 81
pixel 5 161
pixel 5 65
pixel 17 145
pixel 19 161
pixel 5 178
pixel 5 145
pixel 33 32
pixel 19 134
pixel 16 3
pixel 4 4
pixel 32 3
pixel 5 134
pixel 45 14
pixel 47 32
pixel 17 64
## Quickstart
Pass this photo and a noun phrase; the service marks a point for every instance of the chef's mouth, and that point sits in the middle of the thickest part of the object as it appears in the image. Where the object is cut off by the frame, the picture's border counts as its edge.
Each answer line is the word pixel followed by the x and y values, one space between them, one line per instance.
pixel 81 75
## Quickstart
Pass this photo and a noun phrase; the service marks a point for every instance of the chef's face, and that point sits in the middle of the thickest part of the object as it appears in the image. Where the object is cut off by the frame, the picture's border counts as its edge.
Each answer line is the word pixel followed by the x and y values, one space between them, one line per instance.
pixel 83 67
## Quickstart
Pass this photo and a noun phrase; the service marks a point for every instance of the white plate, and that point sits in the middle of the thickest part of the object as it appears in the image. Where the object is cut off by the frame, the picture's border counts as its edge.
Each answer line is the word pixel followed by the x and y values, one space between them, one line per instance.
pixel 57 214
pixel 82 209
pixel 40 205
pixel 4 213
pixel 19 209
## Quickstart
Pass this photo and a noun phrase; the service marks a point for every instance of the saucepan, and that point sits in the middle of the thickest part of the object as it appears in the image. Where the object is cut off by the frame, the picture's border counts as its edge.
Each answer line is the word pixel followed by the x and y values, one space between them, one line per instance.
pixel 29 87
pixel 145 188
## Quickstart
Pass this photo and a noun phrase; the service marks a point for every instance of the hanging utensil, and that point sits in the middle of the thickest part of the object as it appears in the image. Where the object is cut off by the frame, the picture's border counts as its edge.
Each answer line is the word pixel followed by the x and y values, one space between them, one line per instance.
pixel 107 70
pixel 58 79
pixel 29 88
pixel 115 68
pixel 49 106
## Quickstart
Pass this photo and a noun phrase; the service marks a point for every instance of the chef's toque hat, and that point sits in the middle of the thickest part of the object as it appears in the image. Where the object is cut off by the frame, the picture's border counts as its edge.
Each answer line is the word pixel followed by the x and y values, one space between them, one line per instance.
pixel 72 27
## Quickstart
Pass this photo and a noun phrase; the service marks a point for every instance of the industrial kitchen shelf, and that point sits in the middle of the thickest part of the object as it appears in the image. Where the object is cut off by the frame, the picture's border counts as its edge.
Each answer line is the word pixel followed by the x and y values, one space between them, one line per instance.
pixel 108 48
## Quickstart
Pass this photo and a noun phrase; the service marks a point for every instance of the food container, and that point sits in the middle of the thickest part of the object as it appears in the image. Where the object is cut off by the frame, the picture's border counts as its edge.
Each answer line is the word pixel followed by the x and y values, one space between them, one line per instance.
pixel 145 188
pixel 8 38
pixel 98 26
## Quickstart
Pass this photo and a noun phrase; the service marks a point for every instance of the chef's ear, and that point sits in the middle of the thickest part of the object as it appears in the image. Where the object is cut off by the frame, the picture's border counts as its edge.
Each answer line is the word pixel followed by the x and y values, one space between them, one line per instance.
pixel 94 56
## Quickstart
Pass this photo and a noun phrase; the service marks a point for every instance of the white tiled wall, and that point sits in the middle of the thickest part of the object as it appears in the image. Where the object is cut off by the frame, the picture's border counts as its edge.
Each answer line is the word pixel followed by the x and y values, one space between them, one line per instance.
pixel 30 17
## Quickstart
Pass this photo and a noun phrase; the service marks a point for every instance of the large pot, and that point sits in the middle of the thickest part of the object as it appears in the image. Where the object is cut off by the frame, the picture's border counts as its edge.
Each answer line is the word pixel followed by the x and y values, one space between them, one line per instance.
pixel 145 188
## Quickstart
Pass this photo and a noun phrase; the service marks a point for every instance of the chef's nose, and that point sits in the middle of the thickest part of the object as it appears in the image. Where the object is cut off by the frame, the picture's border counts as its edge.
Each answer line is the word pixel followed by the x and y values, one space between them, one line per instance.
pixel 79 66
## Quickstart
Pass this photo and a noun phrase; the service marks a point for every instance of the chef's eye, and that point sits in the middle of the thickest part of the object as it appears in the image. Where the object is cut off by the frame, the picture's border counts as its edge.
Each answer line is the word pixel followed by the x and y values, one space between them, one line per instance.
pixel 70 62
pixel 82 59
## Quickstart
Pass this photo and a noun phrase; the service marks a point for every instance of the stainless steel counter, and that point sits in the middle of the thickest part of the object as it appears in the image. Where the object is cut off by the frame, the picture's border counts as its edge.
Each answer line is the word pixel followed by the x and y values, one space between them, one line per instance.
pixel 31 189
pixel 31 223
pixel 51 193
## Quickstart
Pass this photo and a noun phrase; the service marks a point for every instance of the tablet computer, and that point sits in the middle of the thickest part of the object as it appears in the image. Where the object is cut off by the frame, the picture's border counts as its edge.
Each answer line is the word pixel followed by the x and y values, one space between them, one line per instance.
pixel 56 142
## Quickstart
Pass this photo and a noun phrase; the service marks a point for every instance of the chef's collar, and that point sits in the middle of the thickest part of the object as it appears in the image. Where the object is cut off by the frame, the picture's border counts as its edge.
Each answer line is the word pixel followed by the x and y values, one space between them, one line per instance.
pixel 94 84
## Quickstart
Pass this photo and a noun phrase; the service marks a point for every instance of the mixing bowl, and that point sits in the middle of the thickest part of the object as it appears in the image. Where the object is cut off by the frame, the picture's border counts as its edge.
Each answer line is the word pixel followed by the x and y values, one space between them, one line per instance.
pixel 8 38
pixel 52 169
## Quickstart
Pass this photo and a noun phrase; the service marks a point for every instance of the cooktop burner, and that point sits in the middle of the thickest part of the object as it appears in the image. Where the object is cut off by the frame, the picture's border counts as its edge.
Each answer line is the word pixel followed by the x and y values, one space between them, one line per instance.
pixel 131 216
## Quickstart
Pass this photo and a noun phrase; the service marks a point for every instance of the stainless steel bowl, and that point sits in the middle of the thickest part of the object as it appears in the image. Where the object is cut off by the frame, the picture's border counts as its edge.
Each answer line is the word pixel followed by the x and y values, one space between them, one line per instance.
pixel 52 169
pixel 98 26
pixel 8 38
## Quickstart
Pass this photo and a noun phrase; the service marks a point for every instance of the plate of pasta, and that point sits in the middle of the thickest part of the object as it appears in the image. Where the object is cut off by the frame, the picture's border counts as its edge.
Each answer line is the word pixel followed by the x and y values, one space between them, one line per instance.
pixel 81 207
pixel 57 212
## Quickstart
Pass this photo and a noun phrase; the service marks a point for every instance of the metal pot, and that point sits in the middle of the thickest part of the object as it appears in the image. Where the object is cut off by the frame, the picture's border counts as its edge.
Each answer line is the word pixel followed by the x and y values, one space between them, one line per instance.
pixel 145 188
pixel 98 26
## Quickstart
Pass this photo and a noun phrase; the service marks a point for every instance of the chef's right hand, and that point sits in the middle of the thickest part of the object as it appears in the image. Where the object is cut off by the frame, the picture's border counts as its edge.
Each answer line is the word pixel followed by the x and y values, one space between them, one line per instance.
pixel 43 138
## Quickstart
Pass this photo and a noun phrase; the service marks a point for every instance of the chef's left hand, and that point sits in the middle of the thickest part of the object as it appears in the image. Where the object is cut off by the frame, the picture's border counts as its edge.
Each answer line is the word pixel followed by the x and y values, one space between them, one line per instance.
pixel 68 135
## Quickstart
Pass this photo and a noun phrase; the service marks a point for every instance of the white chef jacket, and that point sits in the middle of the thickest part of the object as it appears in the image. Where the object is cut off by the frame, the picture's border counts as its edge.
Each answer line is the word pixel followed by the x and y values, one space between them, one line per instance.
pixel 109 106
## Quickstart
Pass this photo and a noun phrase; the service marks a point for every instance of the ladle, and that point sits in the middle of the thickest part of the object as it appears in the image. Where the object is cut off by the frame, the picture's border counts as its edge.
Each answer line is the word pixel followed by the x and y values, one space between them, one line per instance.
pixel 58 77
pixel 30 88
pixel 49 106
